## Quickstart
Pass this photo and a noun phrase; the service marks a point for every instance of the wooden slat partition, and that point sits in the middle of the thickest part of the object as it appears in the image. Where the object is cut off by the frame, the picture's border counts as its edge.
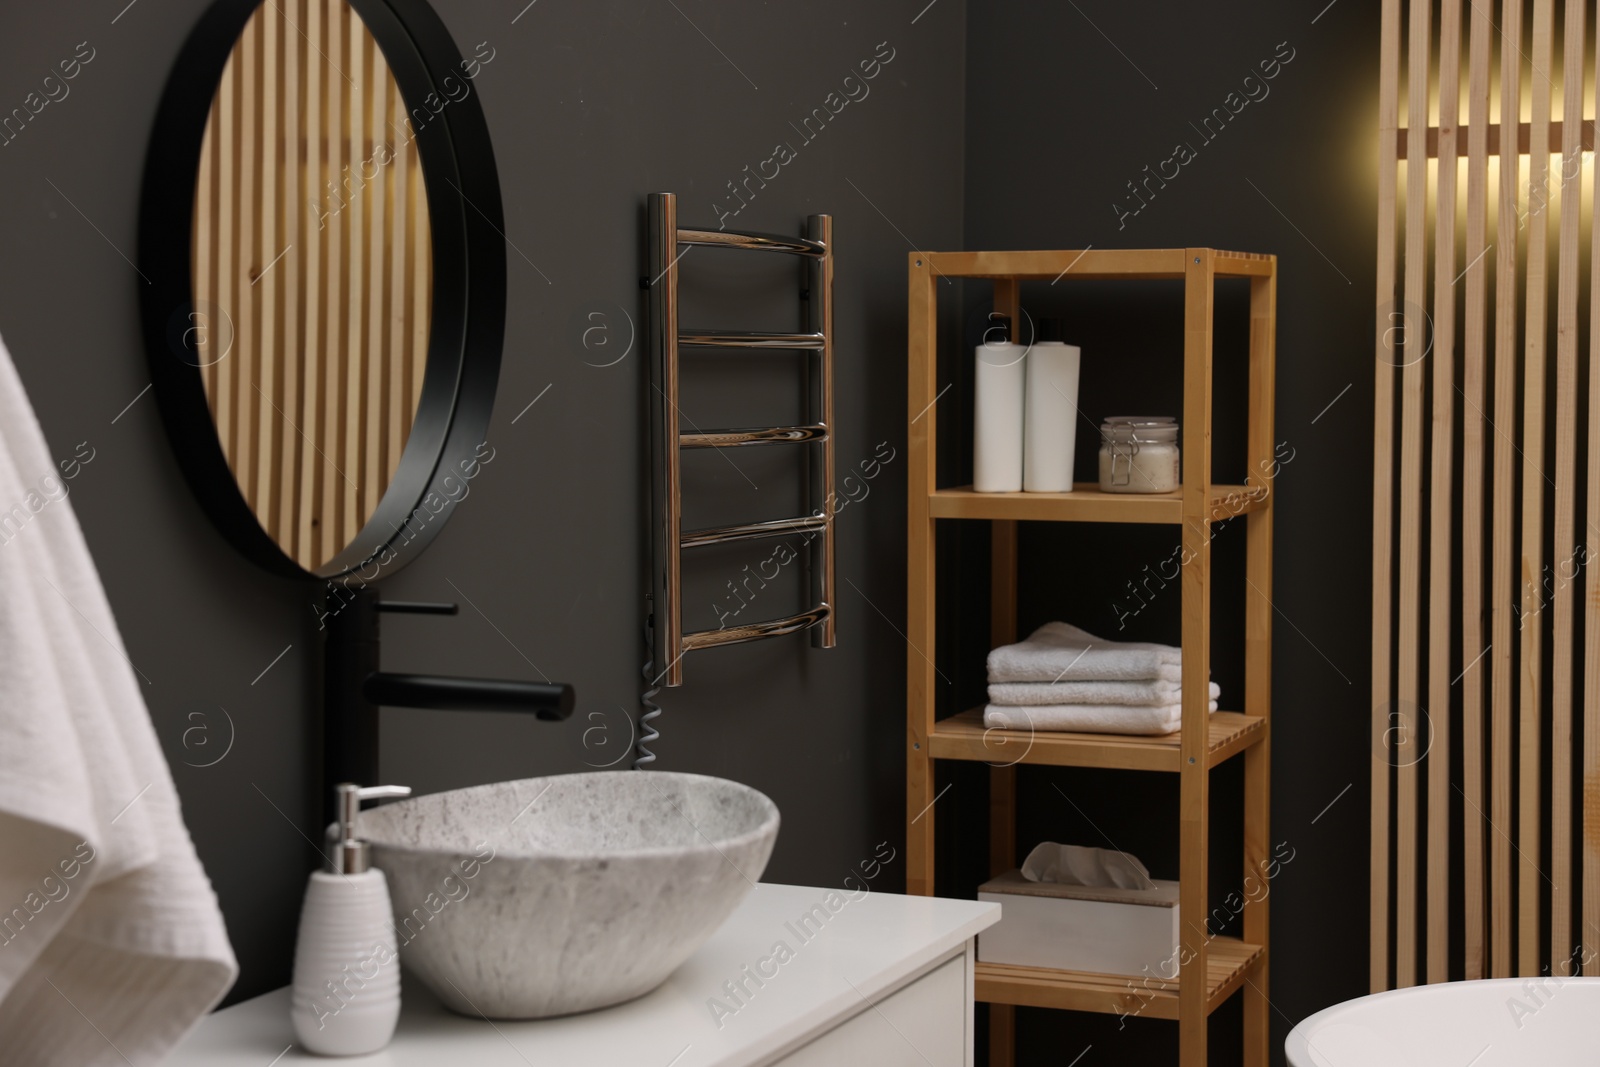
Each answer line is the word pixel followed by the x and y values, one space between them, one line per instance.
pixel 1520 516
pixel 312 273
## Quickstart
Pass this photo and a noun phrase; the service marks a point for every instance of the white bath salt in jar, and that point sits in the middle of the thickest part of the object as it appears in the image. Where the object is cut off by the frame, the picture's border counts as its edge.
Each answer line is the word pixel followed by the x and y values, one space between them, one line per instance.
pixel 1139 454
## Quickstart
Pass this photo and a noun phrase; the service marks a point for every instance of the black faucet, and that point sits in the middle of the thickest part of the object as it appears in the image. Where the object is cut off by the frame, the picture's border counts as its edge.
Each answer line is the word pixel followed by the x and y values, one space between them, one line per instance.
pixel 354 687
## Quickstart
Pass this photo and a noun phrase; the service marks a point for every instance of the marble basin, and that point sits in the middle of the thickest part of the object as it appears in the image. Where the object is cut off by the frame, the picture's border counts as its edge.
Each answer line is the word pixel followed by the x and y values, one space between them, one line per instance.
pixel 547 896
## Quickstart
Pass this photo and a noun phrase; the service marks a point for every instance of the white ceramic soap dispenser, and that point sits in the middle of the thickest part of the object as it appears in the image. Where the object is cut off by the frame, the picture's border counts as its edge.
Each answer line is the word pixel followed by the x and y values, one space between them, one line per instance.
pixel 346 996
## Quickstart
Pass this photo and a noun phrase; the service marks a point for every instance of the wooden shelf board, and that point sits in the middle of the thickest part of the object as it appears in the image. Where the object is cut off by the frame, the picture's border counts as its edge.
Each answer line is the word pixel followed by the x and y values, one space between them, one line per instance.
pixel 1228 963
pixel 964 737
pixel 1093 263
pixel 1086 503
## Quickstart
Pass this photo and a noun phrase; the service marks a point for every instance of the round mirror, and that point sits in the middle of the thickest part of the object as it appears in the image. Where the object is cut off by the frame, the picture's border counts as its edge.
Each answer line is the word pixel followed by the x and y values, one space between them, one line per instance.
pixel 319 191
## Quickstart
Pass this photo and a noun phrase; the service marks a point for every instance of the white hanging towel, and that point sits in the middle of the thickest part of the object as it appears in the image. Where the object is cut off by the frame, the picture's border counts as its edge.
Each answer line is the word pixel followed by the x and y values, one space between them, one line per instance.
pixel 112 946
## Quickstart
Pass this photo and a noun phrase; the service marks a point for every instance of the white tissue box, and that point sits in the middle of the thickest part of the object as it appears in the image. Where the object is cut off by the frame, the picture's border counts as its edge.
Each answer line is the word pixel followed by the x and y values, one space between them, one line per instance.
pixel 1101 929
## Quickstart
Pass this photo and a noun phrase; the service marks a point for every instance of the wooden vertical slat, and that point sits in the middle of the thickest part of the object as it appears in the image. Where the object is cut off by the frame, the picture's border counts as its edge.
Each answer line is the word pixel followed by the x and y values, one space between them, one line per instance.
pixel 1474 351
pixel 264 278
pixel 335 478
pixel 248 351
pixel 1258 656
pixel 373 480
pixel 1413 717
pixel 355 353
pixel 1564 549
pixel 204 258
pixel 1530 807
pixel 400 298
pixel 292 357
pixel 1590 932
pixel 1503 587
pixel 420 248
pixel 224 295
pixel 1383 490
pixel 1441 523
pixel 398 407
pixel 414 353
pixel 312 552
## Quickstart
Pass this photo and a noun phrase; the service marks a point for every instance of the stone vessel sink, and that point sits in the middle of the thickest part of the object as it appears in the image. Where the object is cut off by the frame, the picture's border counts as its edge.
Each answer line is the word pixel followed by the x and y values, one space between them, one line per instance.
pixel 547 896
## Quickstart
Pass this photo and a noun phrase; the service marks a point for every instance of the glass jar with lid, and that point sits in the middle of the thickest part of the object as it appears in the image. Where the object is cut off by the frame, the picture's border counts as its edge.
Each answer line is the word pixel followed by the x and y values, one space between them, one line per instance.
pixel 1139 454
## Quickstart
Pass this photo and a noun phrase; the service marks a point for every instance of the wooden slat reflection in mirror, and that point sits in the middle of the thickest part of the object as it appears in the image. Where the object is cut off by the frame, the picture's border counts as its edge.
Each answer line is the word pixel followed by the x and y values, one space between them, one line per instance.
pixel 312 273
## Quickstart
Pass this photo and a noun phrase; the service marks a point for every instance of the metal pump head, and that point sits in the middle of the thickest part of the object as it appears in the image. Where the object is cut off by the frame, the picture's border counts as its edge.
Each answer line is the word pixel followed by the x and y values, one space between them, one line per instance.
pixel 349 855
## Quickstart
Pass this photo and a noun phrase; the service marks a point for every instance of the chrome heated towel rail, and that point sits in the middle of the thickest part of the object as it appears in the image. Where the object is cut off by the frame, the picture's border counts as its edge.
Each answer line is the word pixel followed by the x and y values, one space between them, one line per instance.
pixel 667 242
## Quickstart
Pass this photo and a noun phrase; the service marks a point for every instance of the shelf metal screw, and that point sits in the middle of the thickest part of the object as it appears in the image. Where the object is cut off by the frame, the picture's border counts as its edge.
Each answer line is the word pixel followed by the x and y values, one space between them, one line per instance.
pixel 1196 259
pixel 916 744
pixel 1191 759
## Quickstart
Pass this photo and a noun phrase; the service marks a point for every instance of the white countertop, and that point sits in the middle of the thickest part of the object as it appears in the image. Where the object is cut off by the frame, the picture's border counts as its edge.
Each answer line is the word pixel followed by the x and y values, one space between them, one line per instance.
pixel 869 946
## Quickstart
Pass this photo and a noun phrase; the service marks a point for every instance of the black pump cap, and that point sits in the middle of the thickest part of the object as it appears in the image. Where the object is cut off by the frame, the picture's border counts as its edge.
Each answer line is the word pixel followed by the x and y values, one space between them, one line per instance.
pixel 998 332
pixel 1051 329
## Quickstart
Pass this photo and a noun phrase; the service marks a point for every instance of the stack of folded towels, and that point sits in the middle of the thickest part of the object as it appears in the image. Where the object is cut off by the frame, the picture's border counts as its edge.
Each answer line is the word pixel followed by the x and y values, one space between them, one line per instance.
pixel 1064 678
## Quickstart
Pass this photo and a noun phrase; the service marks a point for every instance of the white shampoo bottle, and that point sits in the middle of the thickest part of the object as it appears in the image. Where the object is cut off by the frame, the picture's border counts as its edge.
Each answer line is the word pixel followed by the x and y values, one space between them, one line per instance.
pixel 345 1000
pixel 1050 423
pixel 998 380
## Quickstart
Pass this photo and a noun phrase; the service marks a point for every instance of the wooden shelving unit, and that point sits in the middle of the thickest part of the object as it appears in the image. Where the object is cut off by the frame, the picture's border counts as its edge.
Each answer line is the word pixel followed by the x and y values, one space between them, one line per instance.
pixel 1212 968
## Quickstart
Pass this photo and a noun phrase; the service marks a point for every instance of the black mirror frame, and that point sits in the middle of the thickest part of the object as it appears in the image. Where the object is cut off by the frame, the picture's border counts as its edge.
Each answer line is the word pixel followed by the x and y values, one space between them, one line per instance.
pixel 467 329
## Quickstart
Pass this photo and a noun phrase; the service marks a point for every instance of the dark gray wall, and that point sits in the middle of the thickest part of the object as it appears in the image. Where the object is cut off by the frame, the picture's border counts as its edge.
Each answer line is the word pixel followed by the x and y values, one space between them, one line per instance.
pixel 592 105
pixel 1061 113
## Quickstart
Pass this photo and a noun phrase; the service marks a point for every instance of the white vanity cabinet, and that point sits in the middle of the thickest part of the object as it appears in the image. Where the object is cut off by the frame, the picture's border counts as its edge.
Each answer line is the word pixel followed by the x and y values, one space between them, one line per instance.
pixel 933 1012
pixel 797 976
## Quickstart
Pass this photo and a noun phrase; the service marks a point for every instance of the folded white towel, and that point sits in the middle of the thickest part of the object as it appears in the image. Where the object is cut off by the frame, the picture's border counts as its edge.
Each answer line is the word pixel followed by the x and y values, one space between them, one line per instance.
pixel 1034 693
pixel 1088 718
pixel 1056 652
pixel 111 943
